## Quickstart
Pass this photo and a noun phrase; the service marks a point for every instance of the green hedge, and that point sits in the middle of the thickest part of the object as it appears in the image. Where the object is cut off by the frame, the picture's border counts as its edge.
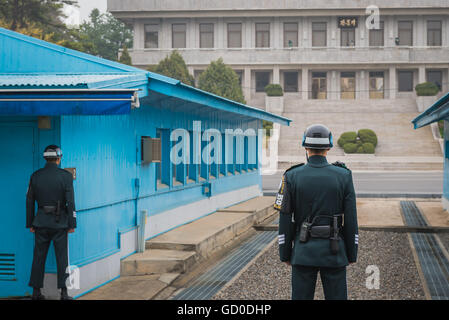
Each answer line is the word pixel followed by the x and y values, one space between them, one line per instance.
pixel 427 89
pixel 367 135
pixel 274 90
pixel 347 137
pixel 350 147
pixel 364 141
pixel 368 148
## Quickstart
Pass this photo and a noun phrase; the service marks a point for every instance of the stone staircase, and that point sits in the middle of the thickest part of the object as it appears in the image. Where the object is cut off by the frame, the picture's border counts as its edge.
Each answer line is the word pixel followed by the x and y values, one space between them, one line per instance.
pixel 390 119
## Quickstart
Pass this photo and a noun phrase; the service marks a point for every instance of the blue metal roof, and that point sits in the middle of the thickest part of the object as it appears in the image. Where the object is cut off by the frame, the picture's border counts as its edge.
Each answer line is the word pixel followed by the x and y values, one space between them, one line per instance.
pixel 438 111
pixel 97 81
pixel 26 63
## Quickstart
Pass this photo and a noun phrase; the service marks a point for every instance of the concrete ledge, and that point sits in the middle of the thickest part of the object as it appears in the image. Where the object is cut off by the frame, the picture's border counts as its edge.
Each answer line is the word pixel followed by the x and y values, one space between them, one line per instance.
pixel 157 261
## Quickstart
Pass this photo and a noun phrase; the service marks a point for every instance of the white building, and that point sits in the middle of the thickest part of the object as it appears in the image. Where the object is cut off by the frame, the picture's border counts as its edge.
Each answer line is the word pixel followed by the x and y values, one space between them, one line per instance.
pixel 316 49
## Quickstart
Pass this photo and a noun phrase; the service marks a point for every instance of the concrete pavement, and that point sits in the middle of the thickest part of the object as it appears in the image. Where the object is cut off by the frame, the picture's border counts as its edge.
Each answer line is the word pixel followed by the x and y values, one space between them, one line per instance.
pixel 151 274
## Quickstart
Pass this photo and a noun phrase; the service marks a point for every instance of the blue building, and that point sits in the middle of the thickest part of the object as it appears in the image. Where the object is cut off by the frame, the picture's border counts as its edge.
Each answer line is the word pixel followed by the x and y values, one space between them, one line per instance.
pixel 116 126
pixel 436 112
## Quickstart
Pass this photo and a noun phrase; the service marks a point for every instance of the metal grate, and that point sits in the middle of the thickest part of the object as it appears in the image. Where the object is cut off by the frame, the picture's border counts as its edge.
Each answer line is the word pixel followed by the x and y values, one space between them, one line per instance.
pixel 208 284
pixel 7 267
pixel 433 261
pixel 412 214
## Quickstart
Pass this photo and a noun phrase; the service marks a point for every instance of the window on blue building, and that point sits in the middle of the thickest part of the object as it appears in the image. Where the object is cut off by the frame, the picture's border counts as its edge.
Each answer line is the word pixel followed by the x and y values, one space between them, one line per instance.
pixel 163 174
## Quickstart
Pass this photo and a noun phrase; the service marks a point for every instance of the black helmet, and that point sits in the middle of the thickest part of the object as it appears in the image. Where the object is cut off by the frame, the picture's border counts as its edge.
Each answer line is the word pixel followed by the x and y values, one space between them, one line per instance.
pixel 52 152
pixel 317 136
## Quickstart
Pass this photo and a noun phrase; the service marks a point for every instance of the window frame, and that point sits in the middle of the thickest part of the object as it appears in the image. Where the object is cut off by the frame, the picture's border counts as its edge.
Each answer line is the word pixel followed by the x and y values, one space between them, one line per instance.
pixel 433 30
pixel 155 26
pixel 296 31
pixel 179 32
pixel 229 25
pixel 258 89
pixel 403 29
pixel 319 31
pixel 381 30
pixel 201 33
pixel 263 35
pixel 287 88
pixel 411 78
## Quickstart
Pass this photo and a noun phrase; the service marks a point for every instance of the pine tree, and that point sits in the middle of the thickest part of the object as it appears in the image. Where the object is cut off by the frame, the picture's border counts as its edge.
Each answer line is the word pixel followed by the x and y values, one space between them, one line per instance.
pixel 221 80
pixel 125 58
pixel 174 66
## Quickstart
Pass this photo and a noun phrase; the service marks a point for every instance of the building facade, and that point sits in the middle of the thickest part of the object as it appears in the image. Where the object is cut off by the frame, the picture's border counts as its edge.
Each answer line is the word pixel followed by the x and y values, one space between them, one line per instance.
pixel 316 49
pixel 119 152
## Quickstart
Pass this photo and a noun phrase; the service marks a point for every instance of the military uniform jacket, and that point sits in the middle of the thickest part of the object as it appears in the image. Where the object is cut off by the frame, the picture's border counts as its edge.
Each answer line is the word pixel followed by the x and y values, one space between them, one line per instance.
pixel 48 186
pixel 316 188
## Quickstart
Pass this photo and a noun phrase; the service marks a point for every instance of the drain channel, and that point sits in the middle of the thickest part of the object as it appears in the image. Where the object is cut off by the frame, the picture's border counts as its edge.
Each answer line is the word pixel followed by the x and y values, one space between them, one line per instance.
pixel 434 263
pixel 209 283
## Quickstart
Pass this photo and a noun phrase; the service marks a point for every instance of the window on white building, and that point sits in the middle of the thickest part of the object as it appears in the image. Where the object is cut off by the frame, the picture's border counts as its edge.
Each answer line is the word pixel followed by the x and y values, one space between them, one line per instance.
pixel 290 35
pixel 291 81
pixel 262 35
pixel 234 35
pixel 206 35
pixel 405 33
pixel 405 81
pixel 347 85
pixel 376 85
pixel 151 36
pixel 434 35
pixel 376 36
pixel 179 35
pixel 319 85
pixel 319 34
pixel 262 80
pixel 435 76
pixel 240 75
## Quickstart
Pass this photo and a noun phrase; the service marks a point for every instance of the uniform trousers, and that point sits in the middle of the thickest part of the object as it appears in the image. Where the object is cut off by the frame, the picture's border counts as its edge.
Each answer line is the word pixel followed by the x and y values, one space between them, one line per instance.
pixel 304 281
pixel 42 239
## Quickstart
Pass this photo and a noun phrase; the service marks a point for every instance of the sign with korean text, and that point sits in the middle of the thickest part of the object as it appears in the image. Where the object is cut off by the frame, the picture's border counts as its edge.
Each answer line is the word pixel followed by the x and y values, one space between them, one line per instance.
pixel 348 22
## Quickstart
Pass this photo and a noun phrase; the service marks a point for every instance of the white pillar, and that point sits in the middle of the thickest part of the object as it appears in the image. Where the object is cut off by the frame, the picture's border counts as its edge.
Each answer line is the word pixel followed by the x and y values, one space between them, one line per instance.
pixel 247 84
pixel 276 75
pixel 422 74
pixel 393 83
pixel 305 83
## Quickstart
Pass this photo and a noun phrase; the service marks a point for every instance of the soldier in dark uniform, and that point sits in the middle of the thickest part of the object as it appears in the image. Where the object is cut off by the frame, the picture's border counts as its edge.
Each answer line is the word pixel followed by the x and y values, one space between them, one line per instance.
pixel 52 189
pixel 318 220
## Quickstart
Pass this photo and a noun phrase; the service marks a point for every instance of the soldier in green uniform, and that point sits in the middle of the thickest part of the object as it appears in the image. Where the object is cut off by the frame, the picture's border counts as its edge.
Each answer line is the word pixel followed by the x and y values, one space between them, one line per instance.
pixel 52 189
pixel 318 228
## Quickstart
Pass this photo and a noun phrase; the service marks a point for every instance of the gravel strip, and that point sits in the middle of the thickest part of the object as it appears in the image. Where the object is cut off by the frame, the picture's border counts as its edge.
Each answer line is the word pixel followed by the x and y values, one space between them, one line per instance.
pixel 269 279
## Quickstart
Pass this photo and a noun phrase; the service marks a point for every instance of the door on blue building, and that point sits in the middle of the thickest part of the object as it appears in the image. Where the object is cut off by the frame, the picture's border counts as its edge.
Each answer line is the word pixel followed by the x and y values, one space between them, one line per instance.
pixel 17 154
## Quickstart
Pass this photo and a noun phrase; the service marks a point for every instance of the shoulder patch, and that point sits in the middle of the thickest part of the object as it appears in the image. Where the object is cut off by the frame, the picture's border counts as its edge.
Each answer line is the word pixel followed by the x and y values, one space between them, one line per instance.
pixel 293 167
pixel 341 165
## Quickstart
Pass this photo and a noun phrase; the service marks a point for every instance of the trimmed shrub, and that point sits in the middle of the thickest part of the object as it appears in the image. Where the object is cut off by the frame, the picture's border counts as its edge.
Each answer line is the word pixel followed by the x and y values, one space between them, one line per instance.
pixel 360 150
pixel 427 89
pixel 347 137
pixel 274 90
pixel 368 135
pixel 350 147
pixel 368 148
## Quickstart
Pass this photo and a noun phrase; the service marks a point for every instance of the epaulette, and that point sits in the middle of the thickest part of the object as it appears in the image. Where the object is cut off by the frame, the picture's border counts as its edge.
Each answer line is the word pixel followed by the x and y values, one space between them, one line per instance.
pixel 293 167
pixel 341 165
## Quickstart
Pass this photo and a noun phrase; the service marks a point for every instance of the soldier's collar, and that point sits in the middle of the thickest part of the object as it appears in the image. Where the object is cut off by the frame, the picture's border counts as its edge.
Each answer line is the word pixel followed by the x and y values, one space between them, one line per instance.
pixel 51 165
pixel 319 161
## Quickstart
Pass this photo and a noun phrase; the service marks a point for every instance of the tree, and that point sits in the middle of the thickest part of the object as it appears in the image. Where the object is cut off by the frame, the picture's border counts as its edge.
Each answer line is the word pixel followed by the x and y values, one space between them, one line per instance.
pixel 221 80
pixel 45 14
pixel 107 34
pixel 125 58
pixel 174 66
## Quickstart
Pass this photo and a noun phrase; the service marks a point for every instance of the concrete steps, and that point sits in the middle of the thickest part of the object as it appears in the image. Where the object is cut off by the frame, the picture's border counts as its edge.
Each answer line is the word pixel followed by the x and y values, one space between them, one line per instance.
pixel 157 261
pixel 178 250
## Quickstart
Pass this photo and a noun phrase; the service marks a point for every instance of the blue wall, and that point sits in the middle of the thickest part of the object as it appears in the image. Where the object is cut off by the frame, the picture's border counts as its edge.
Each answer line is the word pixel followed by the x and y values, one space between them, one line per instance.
pixel 105 150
